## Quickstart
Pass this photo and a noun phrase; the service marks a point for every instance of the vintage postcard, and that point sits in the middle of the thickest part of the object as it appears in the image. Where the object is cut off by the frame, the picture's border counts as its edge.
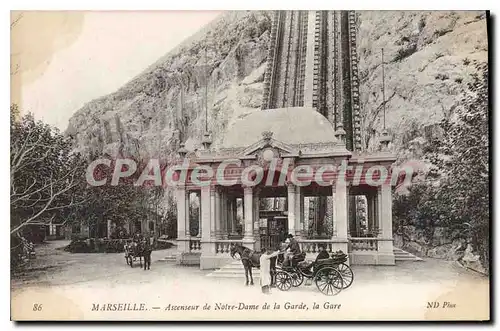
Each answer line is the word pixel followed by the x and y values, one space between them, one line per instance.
pixel 250 165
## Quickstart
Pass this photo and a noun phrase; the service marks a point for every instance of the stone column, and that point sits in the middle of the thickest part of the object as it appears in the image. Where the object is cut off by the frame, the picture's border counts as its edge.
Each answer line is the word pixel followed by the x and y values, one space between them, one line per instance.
pixel 213 215
pixel 291 208
pixel 351 216
pixel 341 211
pixel 302 215
pixel 298 213
pixel 218 214
pixel 205 214
pixel 182 240
pixel 378 214
pixel 306 217
pixel 370 212
pixel 225 215
pixel 188 214
pixel 240 216
pixel 248 216
pixel 341 215
pixel 207 259
pixel 386 212
pixel 386 224
pixel 334 216
pixel 198 197
pixel 232 214
pixel 256 219
pixel 385 242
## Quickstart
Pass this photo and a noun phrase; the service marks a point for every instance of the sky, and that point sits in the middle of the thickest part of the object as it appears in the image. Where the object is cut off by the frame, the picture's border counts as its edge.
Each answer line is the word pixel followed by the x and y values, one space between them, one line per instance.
pixel 77 57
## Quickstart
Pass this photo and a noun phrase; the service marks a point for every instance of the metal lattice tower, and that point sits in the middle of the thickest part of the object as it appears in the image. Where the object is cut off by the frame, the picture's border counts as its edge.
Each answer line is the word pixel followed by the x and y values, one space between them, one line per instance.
pixel 313 62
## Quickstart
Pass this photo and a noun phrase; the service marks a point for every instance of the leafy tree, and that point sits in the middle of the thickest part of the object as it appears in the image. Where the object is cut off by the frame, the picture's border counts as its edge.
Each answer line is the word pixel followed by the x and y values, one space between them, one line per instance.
pixel 170 220
pixel 457 193
pixel 48 183
pixel 464 158
pixel 44 173
pixel 123 203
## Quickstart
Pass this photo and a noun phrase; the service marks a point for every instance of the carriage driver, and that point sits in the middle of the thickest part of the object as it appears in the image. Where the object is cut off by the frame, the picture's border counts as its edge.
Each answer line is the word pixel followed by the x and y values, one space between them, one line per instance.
pixel 294 249
pixel 266 277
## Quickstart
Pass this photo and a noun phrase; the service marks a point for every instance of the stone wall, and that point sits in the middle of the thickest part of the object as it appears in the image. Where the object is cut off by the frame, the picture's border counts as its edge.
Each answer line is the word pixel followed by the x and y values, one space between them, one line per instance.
pixel 440 244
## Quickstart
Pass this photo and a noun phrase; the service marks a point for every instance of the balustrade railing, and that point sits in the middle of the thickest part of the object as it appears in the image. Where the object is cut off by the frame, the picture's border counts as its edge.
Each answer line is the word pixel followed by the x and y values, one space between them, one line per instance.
pixel 311 246
pixel 223 246
pixel 363 244
pixel 195 244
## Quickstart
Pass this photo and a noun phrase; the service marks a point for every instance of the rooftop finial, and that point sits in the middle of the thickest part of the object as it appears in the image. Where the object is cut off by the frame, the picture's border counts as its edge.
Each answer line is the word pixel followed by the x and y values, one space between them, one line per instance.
pixel 207 140
pixel 267 135
pixel 340 132
pixel 384 140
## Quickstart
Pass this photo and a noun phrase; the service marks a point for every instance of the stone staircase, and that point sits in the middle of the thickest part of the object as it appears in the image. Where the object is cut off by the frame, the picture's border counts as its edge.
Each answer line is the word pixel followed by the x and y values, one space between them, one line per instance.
pixel 401 255
pixel 168 259
pixel 235 269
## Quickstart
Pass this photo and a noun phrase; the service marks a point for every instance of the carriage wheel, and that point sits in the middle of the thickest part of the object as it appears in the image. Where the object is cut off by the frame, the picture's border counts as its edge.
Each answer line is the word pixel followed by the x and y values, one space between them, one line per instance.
pixel 283 281
pixel 296 278
pixel 347 274
pixel 329 281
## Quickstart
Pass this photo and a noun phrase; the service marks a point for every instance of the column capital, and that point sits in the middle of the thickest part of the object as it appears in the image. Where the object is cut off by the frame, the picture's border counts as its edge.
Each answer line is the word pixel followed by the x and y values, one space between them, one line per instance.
pixel 341 186
pixel 212 189
pixel 386 186
pixel 217 190
pixel 248 189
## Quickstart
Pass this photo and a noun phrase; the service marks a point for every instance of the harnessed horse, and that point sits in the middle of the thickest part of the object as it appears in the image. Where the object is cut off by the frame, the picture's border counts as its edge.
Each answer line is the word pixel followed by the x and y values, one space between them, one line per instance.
pixel 249 259
pixel 133 251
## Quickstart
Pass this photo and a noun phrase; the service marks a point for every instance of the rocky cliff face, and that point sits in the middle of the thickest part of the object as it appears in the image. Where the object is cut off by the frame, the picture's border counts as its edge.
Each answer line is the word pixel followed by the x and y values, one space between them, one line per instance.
pixel 427 54
pixel 148 116
pixel 428 58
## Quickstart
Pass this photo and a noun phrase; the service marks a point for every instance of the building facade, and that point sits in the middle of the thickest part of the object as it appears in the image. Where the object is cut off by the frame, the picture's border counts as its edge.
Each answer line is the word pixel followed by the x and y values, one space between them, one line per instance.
pixel 310 118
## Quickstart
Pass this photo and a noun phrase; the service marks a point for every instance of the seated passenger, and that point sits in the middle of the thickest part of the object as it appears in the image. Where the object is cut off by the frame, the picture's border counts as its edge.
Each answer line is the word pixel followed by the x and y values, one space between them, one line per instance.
pixel 323 254
pixel 294 248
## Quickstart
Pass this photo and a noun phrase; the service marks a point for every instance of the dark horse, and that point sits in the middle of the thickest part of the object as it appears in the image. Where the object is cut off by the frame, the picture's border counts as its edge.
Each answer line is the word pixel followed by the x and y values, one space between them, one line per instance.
pixel 133 251
pixel 248 257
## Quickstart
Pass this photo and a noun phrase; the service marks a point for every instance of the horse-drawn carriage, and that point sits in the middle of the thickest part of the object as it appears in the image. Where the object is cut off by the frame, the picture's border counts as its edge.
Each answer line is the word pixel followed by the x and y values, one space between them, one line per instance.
pixel 331 275
pixel 133 251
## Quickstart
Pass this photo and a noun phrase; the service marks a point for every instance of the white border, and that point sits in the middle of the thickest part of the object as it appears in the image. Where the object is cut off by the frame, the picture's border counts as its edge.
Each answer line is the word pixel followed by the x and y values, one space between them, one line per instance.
pixel 252 5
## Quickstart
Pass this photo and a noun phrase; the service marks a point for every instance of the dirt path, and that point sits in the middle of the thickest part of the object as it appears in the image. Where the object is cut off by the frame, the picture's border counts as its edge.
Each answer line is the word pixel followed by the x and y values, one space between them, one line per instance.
pixel 71 284
pixel 53 266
